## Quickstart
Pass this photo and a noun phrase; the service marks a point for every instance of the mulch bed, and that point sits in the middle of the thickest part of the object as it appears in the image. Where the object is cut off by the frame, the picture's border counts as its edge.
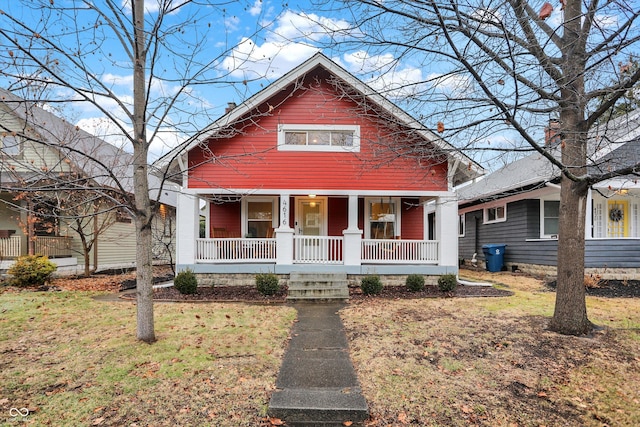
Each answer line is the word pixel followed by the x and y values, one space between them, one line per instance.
pixel 610 288
pixel 250 294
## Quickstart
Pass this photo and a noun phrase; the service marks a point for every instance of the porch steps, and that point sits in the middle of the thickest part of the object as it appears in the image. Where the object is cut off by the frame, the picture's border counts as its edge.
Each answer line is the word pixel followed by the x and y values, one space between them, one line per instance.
pixel 318 287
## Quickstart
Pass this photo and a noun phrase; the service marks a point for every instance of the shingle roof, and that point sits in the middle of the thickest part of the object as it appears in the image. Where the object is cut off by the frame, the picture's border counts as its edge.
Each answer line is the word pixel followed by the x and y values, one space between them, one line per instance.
pixel 612 145
pixel 107 165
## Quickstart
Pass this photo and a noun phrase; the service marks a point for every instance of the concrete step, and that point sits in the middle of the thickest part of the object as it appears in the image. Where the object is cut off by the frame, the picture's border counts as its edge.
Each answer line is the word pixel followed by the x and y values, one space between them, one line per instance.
pixel 319 406
pixel 318 286
pixel 311 277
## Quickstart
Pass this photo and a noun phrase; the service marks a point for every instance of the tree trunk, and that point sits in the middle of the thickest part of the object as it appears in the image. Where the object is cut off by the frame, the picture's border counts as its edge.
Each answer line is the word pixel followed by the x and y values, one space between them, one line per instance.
pixel 144 279
pixel 570 314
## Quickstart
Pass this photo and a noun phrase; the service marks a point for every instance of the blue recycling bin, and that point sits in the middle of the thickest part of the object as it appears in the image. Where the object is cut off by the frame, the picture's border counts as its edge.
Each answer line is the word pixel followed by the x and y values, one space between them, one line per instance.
pixel 494 254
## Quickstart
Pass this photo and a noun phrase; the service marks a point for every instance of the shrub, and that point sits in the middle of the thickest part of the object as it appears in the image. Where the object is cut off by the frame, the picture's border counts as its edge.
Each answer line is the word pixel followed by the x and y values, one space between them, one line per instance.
pixel 415 282
pixel 186 283
pixel 267 283
pixel 31 270
pixel 447 282
pixel 371 285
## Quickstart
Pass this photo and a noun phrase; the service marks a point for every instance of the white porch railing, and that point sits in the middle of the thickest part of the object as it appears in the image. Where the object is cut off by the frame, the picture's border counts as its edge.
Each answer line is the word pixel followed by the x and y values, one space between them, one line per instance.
pixel 400 251
pixel 57 246
pixel 10 247
pixel 236 250
pixel 317 249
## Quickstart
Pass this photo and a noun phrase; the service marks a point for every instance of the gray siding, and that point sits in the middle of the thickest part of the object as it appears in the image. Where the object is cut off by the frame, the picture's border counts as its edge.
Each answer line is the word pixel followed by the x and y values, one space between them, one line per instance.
pixel 522 224
pixel 612 253
pixel 520 232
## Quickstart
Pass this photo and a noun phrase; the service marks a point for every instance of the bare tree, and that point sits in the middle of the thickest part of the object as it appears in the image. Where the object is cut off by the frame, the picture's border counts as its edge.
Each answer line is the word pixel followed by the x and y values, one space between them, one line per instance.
pixel 504 68
pixel 71 48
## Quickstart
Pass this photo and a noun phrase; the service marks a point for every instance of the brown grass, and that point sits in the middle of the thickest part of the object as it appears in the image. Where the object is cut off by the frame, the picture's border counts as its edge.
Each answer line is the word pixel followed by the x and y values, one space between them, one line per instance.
pixel 492 362
pixel 71 360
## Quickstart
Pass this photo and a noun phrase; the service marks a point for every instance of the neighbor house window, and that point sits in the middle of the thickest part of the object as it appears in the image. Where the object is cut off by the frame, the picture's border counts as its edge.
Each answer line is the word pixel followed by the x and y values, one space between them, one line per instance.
pixel 319 138
pixel 260 218
pixel 11 145
pixel 495 214
pixel 383 219
pixel 550 214
pixel 461 225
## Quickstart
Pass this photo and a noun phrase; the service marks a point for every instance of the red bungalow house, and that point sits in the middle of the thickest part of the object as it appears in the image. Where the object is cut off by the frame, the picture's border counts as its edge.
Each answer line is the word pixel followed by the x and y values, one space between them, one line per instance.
pixel 318 173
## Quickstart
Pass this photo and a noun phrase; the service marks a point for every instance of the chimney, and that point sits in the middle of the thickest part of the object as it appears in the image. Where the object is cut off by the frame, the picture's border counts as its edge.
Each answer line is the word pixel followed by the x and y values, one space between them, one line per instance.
pixel 552 133
pixel 230 107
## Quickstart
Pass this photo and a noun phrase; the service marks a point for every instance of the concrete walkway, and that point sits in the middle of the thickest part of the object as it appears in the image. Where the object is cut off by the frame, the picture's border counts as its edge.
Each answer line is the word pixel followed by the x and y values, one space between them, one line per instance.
pixel 317 385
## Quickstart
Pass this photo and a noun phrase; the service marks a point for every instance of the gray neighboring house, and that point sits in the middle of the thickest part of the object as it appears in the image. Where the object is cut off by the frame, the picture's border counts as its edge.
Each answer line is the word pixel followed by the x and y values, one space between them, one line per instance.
pixel 70 154
pixel 518 205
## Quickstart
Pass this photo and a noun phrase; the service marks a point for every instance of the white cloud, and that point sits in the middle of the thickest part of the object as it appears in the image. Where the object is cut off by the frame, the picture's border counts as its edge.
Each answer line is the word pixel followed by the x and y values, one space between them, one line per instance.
pixel 385 74
pixel 117 80
pixel 256 8
pixel 165 139
pixel 150 6
pixel 452 84
pixel 291 42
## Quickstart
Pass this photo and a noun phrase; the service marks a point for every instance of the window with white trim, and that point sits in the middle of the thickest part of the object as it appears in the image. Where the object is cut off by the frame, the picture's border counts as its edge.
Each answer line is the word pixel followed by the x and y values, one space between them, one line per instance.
pixel 495 214
pixel 550 212
pixel 260 215
pixel 382 219
pixel 461 225
pixel 319 138
pixel 10 145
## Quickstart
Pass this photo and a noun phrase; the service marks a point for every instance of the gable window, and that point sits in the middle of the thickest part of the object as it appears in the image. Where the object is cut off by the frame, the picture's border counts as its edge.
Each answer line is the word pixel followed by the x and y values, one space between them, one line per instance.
pixel 319 138
pixel 550 215
pixel 495 214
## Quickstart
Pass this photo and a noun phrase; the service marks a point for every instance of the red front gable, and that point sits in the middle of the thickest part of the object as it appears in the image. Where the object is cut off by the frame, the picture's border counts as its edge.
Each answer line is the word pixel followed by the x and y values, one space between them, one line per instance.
pixel 251 159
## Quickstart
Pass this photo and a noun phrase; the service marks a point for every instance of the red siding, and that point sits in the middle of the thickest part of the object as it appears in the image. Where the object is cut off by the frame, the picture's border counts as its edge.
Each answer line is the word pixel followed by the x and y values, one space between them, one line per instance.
pixel 251 160
pixel 338 212
pixel 412 220
pixel 227 216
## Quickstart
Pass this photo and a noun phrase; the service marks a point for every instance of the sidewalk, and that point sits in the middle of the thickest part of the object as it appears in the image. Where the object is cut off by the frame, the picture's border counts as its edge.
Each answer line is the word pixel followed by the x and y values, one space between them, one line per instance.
pixel 317 385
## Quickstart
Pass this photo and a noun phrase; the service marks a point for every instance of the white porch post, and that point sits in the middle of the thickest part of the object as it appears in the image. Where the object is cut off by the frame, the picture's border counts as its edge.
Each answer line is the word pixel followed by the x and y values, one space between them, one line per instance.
pixel 187 228
pixel 447 229
pixel 284 234
pixel 351 252
pixel 588 227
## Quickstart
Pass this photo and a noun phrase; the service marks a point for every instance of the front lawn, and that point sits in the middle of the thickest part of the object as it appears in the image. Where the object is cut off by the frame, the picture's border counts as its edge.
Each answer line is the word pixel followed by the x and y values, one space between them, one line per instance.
pixel 491 361
pixel 72 360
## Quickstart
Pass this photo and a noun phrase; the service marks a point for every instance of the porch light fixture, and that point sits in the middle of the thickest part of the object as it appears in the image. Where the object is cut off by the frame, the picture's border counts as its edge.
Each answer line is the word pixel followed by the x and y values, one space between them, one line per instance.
pixel 312 196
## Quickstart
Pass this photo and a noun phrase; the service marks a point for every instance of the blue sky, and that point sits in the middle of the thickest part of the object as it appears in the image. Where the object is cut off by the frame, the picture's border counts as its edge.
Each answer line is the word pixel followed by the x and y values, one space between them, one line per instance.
pixel 250 43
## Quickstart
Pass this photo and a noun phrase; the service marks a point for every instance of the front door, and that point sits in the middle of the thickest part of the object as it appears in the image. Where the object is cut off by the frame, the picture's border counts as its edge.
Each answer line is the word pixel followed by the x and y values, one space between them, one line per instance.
pixel 617 218
pixel 311 220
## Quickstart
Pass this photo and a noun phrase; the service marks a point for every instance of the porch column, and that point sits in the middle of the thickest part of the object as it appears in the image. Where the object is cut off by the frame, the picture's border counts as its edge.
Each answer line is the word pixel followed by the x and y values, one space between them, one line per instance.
pixel 187 228
pixel 447 229
pixel 351 252
pixel 588 227
pixel 284 234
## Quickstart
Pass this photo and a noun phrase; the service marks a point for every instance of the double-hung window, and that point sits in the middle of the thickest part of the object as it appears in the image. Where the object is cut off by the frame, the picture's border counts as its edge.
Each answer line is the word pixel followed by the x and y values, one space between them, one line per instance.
pixel 383 219
pixel 10 145
pixel 550 214
pixel 319 138
pixel 495 214
pixel 260 216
